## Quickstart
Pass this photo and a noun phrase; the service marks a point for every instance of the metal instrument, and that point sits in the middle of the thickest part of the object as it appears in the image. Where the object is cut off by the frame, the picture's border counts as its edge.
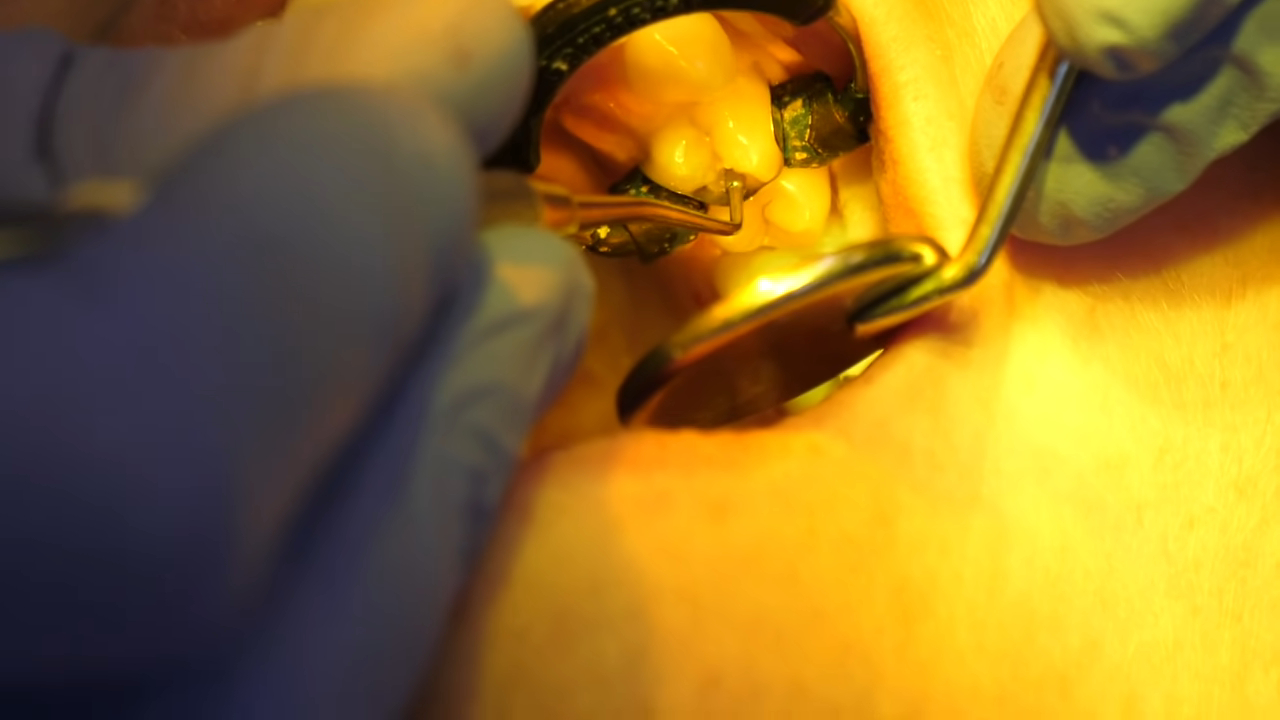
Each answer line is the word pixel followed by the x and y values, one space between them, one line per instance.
pixel 815 120
pixel 755 350
pixel 510 197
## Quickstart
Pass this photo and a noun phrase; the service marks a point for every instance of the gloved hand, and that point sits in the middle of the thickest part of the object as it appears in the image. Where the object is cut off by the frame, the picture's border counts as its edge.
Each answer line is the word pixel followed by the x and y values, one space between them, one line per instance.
pixel 1170 86
pixel 252 437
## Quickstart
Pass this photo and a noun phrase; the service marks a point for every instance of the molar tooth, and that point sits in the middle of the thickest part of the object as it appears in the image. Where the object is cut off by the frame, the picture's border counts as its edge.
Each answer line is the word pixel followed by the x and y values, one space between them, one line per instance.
pixel 797 207
pixel 738 270
pixel 680 158
pixel 680 60
pixel 752 234
pixel 857 199
pixel 740 122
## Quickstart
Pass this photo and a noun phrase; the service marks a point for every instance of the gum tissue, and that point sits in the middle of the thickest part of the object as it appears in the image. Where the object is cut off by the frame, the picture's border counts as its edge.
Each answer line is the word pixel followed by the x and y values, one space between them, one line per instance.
pixel 688 97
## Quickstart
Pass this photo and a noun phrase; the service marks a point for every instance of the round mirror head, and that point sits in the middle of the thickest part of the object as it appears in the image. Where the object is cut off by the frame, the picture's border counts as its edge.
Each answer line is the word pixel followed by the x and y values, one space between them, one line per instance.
pixel 769 343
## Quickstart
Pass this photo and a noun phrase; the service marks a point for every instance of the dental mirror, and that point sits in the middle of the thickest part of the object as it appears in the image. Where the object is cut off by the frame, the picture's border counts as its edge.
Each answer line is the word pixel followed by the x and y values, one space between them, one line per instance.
pixel 765 345
pixel 776 339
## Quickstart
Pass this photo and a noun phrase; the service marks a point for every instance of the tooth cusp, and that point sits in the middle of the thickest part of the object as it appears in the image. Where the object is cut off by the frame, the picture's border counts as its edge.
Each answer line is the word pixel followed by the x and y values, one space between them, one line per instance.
pixel 815 123
pixel 740 124
pixel 797 207
pixel 680 60
pixel 681 158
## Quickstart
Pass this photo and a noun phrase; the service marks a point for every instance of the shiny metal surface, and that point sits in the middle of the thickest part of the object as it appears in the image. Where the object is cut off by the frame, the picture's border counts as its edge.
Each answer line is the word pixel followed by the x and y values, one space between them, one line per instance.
pixel 765 346
pixel 1025 147
pixel 771 342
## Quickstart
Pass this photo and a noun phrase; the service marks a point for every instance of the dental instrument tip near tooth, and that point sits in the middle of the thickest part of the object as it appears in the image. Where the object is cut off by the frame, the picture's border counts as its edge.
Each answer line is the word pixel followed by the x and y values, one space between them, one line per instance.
pixel 754 351
pixel 512 197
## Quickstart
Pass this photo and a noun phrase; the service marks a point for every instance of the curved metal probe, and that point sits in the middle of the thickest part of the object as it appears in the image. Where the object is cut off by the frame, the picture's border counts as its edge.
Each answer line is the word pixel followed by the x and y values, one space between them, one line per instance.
pixel 508 196
pixel 813 125
pixel 1025 147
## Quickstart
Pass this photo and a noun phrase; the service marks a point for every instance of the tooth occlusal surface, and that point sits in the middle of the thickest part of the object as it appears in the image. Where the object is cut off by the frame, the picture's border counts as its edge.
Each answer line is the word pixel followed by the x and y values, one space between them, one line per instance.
pixel 797 207
pixel 680 60
pixel 681 158
pixel 739 120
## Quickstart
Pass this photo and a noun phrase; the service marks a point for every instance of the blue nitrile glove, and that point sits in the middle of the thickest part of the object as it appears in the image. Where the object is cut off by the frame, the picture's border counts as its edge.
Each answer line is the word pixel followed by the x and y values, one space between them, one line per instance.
pixel 1171 86
pixel 252 438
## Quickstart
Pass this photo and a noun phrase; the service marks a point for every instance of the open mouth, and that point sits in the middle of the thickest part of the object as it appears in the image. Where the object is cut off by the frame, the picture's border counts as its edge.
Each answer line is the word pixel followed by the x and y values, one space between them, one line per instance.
pixel 679 104
pixel 911 179
pixel 684 101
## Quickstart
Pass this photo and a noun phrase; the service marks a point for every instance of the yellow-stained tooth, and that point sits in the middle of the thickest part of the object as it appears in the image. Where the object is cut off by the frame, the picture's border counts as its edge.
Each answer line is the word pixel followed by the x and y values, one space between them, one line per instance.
pixel 680 157
pixel 738 270
pixel 680 60
pixel 740 122
pixel 857 199
pixel 797 206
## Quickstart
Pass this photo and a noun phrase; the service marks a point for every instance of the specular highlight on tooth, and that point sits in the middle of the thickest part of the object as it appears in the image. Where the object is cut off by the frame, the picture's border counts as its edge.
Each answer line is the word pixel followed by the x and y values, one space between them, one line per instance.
pixel 797 207
pixel 680 157
pixel 680 60
pixel 739 120
pixel 687 98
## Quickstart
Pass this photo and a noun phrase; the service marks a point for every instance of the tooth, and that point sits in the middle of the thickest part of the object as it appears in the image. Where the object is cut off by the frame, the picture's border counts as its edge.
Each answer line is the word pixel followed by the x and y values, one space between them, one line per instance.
pixel 738 270
pixel 680 158
pixel 752 234
pixel 680 60
pixel 857 199
pixel 797 206
pixel 598 106
pixel 740 122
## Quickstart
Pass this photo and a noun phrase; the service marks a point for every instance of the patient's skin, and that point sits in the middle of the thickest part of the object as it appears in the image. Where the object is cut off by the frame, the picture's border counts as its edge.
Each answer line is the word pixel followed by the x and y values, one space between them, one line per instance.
pixel 1056 499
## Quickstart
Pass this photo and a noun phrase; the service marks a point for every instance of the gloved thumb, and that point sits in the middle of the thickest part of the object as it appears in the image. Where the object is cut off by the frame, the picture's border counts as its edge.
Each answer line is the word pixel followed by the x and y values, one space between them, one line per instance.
pixel 103 112
pixel 1132 38
pixel 514 349
pixel 1126 147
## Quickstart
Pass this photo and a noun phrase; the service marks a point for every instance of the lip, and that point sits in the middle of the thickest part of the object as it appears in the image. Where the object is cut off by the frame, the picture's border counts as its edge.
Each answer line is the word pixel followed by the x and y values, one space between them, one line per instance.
pixel 927 61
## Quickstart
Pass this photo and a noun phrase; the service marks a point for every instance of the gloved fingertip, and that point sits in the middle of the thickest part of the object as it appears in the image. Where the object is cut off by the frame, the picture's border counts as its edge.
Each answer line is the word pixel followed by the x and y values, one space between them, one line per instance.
pixel 519 341
pixel 517 345
pixel 1056 232
pixel 1108 40
pixel 546 277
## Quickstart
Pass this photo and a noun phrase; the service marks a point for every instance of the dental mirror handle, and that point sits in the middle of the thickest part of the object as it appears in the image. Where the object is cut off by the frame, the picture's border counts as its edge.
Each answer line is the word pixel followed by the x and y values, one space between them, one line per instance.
pixel 1024 149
